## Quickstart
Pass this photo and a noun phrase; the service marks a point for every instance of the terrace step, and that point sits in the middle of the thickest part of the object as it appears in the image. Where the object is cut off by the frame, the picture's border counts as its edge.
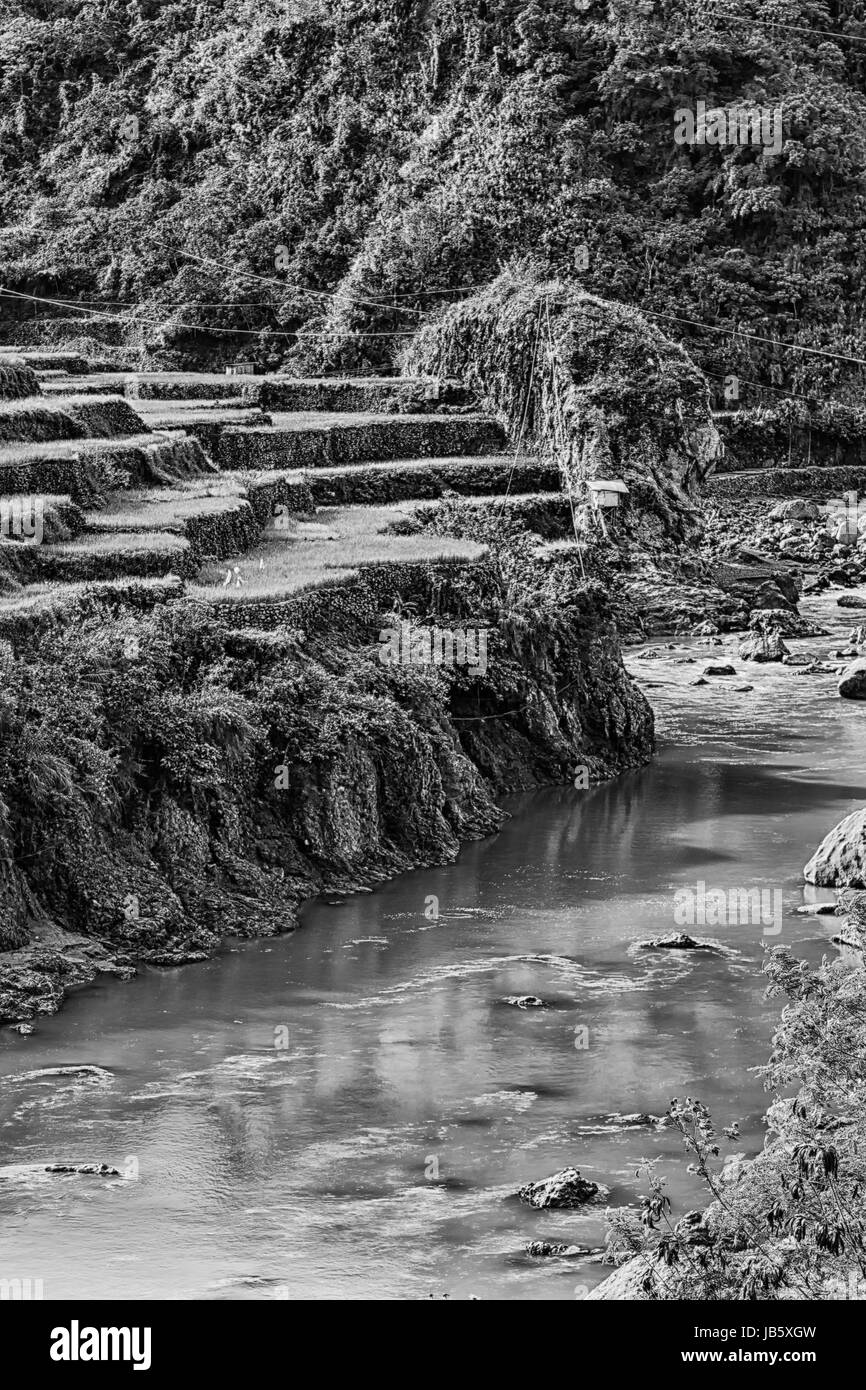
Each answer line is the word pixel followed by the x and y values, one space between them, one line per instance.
pixel 733 464
pixel 188 386
pixel 35 418
pixel 293 394
pixel 822 479
pixel 333 548
pixel 206 422
pixel 116 555
pixel 405 479
pixel 37 608
pixel 325 440
pixel 548 514
pixel 29 520
pixel 87 469
pixel 399 480
pixel 401 395
pixel 105 417
pixel 17 380
pixel 101 384
pixel 48 359
pixel 214 526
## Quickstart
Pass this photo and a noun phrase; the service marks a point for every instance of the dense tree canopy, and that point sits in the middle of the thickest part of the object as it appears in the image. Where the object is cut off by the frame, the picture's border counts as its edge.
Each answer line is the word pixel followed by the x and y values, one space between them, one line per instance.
pixel 224 162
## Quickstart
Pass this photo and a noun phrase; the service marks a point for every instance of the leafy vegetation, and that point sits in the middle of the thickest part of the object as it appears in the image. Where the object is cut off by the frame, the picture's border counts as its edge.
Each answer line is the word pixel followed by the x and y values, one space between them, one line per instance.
pixel 147 755
pixel 587 383
pixel 225 162
pixel 791 1223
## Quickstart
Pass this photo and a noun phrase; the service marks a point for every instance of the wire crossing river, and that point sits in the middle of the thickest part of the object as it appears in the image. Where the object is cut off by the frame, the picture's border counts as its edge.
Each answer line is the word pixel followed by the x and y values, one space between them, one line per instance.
pixel 348 1112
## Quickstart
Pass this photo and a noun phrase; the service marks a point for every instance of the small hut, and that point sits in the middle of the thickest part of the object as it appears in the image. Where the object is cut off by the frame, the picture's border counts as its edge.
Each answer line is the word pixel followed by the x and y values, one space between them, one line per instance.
pixel 605 494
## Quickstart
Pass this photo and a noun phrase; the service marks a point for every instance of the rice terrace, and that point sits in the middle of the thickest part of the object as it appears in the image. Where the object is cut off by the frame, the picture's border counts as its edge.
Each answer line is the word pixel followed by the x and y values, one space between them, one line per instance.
pixel 433 653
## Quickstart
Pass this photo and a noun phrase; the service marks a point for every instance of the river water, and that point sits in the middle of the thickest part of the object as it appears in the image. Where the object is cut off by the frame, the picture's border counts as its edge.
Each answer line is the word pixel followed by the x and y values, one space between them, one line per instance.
pixel 347 1111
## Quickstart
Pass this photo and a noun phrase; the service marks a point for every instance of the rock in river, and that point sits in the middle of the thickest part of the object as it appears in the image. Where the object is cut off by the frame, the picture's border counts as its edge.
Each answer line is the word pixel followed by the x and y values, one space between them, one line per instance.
pixel 784 621
pixel 719 670
pixel 524 1001
pixel 92 1170
pixel 85 1072
pixel 676 941
pixel 565 1189
pixel 852 682
pixel 763 646
pixel 848 935
pixel 840 859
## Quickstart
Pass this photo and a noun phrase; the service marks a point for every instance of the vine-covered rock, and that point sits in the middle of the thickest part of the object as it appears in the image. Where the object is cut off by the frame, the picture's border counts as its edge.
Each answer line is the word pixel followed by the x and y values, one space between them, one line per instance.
pixel 590 384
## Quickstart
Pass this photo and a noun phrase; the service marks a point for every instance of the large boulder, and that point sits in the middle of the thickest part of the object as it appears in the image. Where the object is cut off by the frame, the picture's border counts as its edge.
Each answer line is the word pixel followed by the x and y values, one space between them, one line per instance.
pixel 91 1170
pixel 840 859
pixel 763 646
pixel 628 1284
pixel 797 509
pixel 852 682
pixel 602 390
pixel 779 592
pixel 784 620
pixel 675 941
pixel 565 1189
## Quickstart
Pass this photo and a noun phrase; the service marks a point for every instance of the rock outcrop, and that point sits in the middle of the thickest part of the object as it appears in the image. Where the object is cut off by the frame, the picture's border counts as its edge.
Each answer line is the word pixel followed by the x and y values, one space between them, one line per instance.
pixel 840 859
pixel 852 682
pixel 565 1189
pixel 763 646
pixel 676 941
pixel 610 396
pixel 87 1170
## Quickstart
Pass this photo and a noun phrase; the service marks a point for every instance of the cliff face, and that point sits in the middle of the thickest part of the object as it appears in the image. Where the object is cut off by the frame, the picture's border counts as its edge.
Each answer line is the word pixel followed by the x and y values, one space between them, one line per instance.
pixel 210 784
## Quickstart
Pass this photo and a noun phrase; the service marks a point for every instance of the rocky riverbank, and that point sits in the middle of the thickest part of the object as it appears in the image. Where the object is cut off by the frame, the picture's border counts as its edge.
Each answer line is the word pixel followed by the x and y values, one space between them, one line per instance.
pixel 210 783
pixel 784 1224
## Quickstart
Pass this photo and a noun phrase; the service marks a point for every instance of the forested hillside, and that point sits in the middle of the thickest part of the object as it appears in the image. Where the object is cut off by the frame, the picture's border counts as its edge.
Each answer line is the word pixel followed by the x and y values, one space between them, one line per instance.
pixel 219 164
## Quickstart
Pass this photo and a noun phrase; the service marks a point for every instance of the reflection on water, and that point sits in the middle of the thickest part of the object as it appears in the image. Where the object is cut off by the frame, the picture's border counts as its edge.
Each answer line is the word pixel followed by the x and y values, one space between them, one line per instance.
pixel 348 1111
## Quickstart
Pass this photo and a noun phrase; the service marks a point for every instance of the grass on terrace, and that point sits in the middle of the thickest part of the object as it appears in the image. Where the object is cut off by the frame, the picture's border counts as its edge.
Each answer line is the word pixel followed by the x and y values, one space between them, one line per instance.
pixel 175 414
pixel 256 379
pixel 55 595
pixel 120 543
pixel 72 398
pixel 162 509
pixel 55 384
pixel 331 549
pixel 303 420
pixel 72 448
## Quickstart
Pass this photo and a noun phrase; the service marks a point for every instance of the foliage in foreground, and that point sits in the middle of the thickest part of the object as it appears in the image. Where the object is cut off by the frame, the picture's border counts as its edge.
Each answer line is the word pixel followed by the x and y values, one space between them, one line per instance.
pixel 791 1224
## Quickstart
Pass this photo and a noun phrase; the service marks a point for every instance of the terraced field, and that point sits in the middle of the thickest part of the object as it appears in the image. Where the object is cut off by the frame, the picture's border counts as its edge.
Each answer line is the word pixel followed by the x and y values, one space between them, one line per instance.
pixel 239 492
pixel 820 465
